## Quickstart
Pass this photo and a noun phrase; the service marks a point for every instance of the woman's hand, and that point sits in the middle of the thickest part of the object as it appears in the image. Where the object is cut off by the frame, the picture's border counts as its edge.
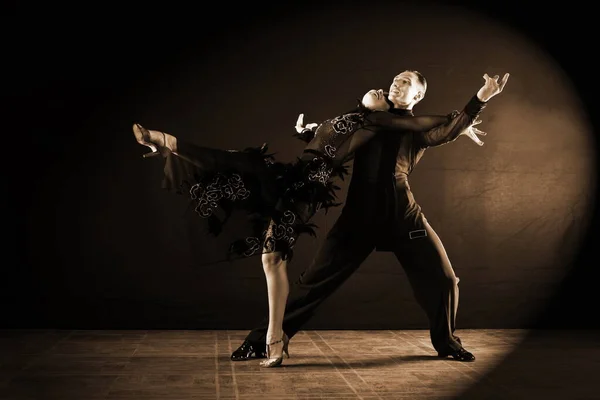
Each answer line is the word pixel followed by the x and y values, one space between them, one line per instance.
pixel 300 124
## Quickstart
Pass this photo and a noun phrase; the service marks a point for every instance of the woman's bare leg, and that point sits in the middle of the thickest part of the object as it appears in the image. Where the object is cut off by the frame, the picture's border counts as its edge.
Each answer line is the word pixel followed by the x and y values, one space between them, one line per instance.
pixel 278 287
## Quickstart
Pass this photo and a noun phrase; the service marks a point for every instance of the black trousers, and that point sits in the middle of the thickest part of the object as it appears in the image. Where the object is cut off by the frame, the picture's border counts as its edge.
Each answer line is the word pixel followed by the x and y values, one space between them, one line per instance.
pixel 346 246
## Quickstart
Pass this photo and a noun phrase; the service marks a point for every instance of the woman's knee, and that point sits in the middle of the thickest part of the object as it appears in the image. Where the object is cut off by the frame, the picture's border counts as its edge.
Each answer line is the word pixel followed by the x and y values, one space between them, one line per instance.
pixel 272 261
pixel 451 281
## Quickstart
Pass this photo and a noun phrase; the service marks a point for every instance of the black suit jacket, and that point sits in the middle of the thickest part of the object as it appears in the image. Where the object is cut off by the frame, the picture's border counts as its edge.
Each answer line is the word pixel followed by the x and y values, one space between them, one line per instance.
pixel 379 197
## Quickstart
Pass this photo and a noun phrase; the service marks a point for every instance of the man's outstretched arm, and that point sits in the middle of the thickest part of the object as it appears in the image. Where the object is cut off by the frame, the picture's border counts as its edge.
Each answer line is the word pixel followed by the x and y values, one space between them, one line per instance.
pixel 466 118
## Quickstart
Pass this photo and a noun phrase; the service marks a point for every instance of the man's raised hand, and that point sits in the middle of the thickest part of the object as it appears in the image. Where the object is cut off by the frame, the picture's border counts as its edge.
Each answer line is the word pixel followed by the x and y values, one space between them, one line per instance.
pixel 471 132
pixel 492 86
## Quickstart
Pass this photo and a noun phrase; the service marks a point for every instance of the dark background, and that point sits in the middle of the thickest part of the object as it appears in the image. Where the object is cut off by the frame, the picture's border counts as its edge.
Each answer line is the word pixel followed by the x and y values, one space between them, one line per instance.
pixel 92 241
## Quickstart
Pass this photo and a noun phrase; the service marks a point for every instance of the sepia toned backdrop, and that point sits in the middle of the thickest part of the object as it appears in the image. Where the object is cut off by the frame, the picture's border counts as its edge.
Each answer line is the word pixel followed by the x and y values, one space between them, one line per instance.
pixel 97 243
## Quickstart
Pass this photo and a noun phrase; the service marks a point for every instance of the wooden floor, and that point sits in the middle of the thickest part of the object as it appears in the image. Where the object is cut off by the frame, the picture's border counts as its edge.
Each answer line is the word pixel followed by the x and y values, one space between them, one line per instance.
pixel 383 364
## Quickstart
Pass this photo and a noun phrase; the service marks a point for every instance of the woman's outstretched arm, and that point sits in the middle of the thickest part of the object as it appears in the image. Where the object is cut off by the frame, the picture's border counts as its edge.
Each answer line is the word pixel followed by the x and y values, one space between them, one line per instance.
pixel 406 123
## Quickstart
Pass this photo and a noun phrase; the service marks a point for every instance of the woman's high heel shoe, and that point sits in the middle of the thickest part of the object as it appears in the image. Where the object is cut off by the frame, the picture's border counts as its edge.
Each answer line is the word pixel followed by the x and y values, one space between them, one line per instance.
pixel 143 137
pixel 276 362
pixel 286 342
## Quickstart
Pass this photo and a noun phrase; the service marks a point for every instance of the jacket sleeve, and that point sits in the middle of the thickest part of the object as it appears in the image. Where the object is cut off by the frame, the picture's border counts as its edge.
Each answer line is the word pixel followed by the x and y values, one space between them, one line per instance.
pixel 458 122
pixel 381 120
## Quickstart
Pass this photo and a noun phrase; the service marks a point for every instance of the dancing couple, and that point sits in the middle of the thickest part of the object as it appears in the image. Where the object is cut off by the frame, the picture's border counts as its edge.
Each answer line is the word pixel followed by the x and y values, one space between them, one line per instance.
pixel 278 200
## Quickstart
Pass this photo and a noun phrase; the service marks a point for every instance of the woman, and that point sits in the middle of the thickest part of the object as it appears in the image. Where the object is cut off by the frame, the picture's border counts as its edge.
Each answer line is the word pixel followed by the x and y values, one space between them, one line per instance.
pixel 278 199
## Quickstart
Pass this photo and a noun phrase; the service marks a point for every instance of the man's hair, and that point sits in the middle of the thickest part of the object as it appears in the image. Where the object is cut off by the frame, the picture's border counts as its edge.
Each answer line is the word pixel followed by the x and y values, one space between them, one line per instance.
pixel 420 78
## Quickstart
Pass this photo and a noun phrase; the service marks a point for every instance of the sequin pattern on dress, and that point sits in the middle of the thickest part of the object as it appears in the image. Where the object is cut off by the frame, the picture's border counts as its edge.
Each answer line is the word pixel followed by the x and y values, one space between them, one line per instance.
pixel 223 187
pixel 281 231
pixel 318 170
pixel 346 123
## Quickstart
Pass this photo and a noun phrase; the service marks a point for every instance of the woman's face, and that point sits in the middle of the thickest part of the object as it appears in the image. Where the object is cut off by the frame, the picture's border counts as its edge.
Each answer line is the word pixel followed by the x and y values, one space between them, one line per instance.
pixel 375 100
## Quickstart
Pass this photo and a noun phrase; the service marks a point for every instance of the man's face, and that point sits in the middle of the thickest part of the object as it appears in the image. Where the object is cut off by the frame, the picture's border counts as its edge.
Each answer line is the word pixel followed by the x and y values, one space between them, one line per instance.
pixel 405 90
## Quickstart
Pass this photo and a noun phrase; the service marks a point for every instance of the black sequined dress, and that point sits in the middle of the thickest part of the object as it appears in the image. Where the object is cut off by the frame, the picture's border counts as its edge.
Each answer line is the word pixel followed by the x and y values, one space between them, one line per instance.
pixel 276 199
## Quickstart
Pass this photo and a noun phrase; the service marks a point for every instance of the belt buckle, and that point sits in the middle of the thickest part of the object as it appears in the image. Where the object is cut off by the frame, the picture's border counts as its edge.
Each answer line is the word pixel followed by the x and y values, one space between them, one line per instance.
pixel 417 233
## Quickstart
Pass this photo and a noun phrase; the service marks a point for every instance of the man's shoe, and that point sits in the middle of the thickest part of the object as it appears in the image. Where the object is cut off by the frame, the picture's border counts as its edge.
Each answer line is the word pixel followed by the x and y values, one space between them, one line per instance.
pixel 249 351
pixel 459 355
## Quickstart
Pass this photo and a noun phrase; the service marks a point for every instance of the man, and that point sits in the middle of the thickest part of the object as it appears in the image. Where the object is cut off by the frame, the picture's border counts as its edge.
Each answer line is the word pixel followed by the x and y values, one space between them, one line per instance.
pixel 388 219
